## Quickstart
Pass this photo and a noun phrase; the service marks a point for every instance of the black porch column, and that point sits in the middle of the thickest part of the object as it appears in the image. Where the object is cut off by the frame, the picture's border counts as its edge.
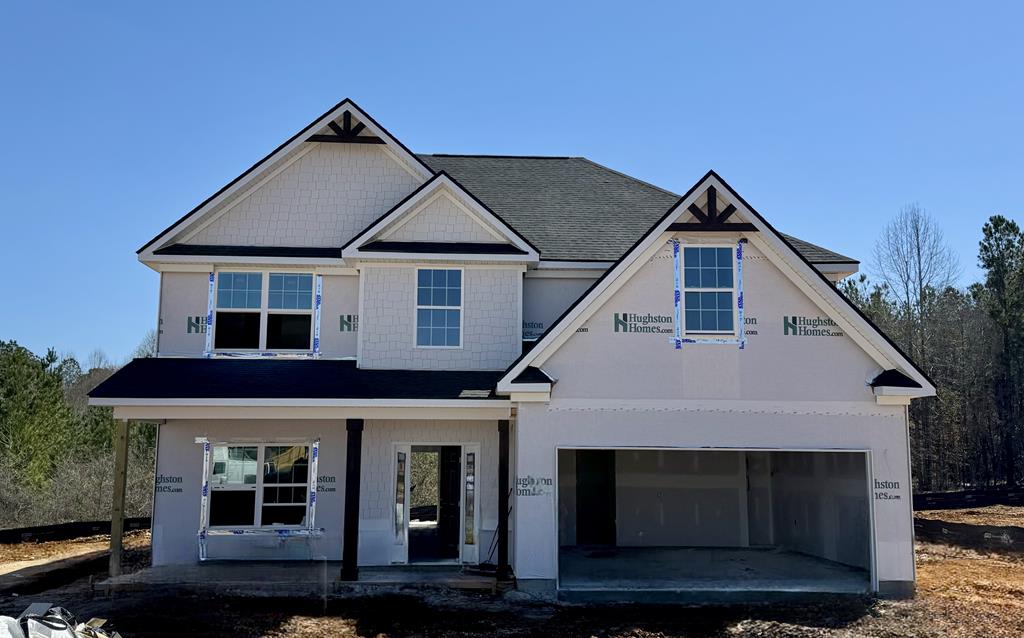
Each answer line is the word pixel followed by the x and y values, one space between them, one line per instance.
pixel 503 453
pixel 353 463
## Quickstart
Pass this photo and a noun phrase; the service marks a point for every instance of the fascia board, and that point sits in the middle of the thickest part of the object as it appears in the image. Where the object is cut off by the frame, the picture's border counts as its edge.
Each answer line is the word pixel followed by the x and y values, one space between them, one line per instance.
pixel 436 257
pixel 893 391
pixel 506 388
pixel 171 262
pixel 336 403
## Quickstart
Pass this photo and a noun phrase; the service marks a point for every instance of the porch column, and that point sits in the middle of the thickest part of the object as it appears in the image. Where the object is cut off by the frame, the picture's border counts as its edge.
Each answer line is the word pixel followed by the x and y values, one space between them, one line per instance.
pixel 120 484
pixel 353 469
pixel 503 465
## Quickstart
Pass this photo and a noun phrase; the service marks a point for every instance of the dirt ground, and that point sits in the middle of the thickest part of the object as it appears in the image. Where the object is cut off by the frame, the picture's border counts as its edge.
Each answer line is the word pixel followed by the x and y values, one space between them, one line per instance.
pixel 1001 515
pixel 962 591
pixel 26 552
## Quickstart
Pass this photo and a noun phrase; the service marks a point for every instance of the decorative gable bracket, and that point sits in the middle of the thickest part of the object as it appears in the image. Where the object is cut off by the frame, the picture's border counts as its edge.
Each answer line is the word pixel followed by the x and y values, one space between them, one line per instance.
pixel 346 133
pixel 710 219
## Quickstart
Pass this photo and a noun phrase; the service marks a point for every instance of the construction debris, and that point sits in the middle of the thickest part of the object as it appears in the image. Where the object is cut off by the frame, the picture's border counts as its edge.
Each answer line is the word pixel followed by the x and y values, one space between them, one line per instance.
pixel 44 620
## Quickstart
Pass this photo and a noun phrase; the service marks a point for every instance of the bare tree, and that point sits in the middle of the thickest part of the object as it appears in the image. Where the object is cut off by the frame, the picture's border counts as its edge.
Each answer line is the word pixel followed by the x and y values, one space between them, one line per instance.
pixel 98 360
pixel 913 259
pixel 917 266
pixel 147 347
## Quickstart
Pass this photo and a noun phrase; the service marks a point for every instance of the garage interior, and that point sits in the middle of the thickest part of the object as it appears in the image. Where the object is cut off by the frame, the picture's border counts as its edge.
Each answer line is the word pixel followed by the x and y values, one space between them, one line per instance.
pixel 713 521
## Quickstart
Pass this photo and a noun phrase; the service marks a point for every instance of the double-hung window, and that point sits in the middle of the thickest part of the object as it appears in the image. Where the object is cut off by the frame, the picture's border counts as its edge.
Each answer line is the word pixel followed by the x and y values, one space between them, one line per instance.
pixel 439 308
pixel 253 317
pixel 290 312
pixel 259 485
pixel 709 290
pixel 239 305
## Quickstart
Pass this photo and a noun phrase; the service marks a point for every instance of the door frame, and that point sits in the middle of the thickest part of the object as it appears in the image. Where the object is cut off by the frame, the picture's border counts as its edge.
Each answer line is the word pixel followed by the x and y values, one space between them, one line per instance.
pixel 468 554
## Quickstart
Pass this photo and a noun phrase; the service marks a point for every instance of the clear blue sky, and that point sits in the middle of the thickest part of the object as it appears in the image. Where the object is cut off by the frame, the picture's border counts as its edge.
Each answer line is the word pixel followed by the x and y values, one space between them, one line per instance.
pixel 826 118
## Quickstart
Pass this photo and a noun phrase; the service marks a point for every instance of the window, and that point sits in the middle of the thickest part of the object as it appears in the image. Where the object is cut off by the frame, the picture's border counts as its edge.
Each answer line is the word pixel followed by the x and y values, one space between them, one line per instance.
pixel 709 292
pixel 438 308
pixel 241 496
pixel 248 319
pixel 290 312
pixel 239 298
pixel 233 486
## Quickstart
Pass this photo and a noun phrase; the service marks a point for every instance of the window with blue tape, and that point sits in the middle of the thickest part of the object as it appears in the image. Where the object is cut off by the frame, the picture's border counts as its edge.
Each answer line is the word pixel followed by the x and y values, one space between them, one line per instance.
pixel 438 307
pixel 709 295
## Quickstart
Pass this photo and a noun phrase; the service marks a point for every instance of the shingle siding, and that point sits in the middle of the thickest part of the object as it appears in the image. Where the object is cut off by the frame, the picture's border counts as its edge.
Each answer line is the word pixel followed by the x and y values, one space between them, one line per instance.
pixel 324 198
pixel 441 220
pixel 491 328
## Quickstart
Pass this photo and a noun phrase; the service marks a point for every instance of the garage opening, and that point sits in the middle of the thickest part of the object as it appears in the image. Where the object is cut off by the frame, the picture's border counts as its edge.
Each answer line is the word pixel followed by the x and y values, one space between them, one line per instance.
pixel 713 521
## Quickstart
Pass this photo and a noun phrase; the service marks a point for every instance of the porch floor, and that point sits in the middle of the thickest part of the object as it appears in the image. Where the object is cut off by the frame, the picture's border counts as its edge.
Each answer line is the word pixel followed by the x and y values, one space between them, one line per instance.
pixel 705 570
pixel 285 578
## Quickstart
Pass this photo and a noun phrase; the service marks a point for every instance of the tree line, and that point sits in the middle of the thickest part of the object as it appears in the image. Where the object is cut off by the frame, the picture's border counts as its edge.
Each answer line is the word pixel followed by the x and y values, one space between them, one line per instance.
pixel 968 339
pixel 56 451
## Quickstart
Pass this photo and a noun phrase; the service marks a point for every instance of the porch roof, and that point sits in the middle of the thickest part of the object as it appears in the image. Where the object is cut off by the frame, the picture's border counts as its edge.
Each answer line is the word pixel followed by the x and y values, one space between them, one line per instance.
pixel 289 379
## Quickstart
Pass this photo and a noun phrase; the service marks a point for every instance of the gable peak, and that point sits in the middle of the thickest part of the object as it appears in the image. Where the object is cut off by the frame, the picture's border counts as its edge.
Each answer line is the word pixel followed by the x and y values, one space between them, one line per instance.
pixel 345 129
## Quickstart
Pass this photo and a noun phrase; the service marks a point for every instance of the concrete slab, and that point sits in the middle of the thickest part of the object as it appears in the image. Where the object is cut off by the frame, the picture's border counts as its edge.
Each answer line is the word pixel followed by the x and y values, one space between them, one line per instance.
pixel 291 578
pixel 698 574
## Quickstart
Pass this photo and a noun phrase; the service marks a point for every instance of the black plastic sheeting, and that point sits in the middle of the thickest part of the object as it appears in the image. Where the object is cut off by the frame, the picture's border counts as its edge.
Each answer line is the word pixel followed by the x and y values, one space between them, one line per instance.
pixel 66 531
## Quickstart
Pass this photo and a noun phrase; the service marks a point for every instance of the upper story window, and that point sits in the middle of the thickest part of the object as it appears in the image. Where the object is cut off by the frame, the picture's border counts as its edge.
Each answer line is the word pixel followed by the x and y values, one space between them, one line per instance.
pixel 253 317
pixel 709 292
pixel 439 307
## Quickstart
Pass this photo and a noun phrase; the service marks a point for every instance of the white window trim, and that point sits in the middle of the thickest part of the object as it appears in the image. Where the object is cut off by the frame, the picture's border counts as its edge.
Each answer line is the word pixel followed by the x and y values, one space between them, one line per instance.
pixel 258 486
pixel 732 290
pixel 264 310
pixel 416 306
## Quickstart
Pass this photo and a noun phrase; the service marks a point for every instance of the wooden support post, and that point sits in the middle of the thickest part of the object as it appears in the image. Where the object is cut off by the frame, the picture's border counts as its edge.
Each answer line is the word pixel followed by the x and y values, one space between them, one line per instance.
pixel 120 484
pixel 353 468
pixel 504 572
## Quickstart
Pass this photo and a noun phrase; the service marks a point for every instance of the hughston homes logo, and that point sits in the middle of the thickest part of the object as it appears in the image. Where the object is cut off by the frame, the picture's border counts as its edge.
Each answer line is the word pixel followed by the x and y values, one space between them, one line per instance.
pixel 634 322
pixel 348 323
pixel 196 324
pixel 798 326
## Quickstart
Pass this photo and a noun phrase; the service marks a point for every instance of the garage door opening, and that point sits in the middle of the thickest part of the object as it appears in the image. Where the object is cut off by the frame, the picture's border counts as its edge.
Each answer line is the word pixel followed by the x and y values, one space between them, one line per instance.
pixel 719 521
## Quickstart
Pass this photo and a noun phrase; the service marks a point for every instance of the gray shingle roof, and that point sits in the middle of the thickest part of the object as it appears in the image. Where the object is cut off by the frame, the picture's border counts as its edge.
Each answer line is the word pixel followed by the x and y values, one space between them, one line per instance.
pixel 816 254
pixel 571 208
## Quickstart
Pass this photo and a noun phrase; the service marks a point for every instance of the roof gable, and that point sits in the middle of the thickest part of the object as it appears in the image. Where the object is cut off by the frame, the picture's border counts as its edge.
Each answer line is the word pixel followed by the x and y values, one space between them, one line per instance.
pixel 344 123
pixel 440 217
pixel 744 220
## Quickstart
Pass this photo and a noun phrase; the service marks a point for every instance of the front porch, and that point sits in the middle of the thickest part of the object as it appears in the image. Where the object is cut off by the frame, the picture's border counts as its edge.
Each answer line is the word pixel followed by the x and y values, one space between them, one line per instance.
pixel 296 460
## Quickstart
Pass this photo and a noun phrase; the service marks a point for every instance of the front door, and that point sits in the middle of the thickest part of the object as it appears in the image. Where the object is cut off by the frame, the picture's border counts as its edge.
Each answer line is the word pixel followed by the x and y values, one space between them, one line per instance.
pixel 435 503
pixel 449 491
